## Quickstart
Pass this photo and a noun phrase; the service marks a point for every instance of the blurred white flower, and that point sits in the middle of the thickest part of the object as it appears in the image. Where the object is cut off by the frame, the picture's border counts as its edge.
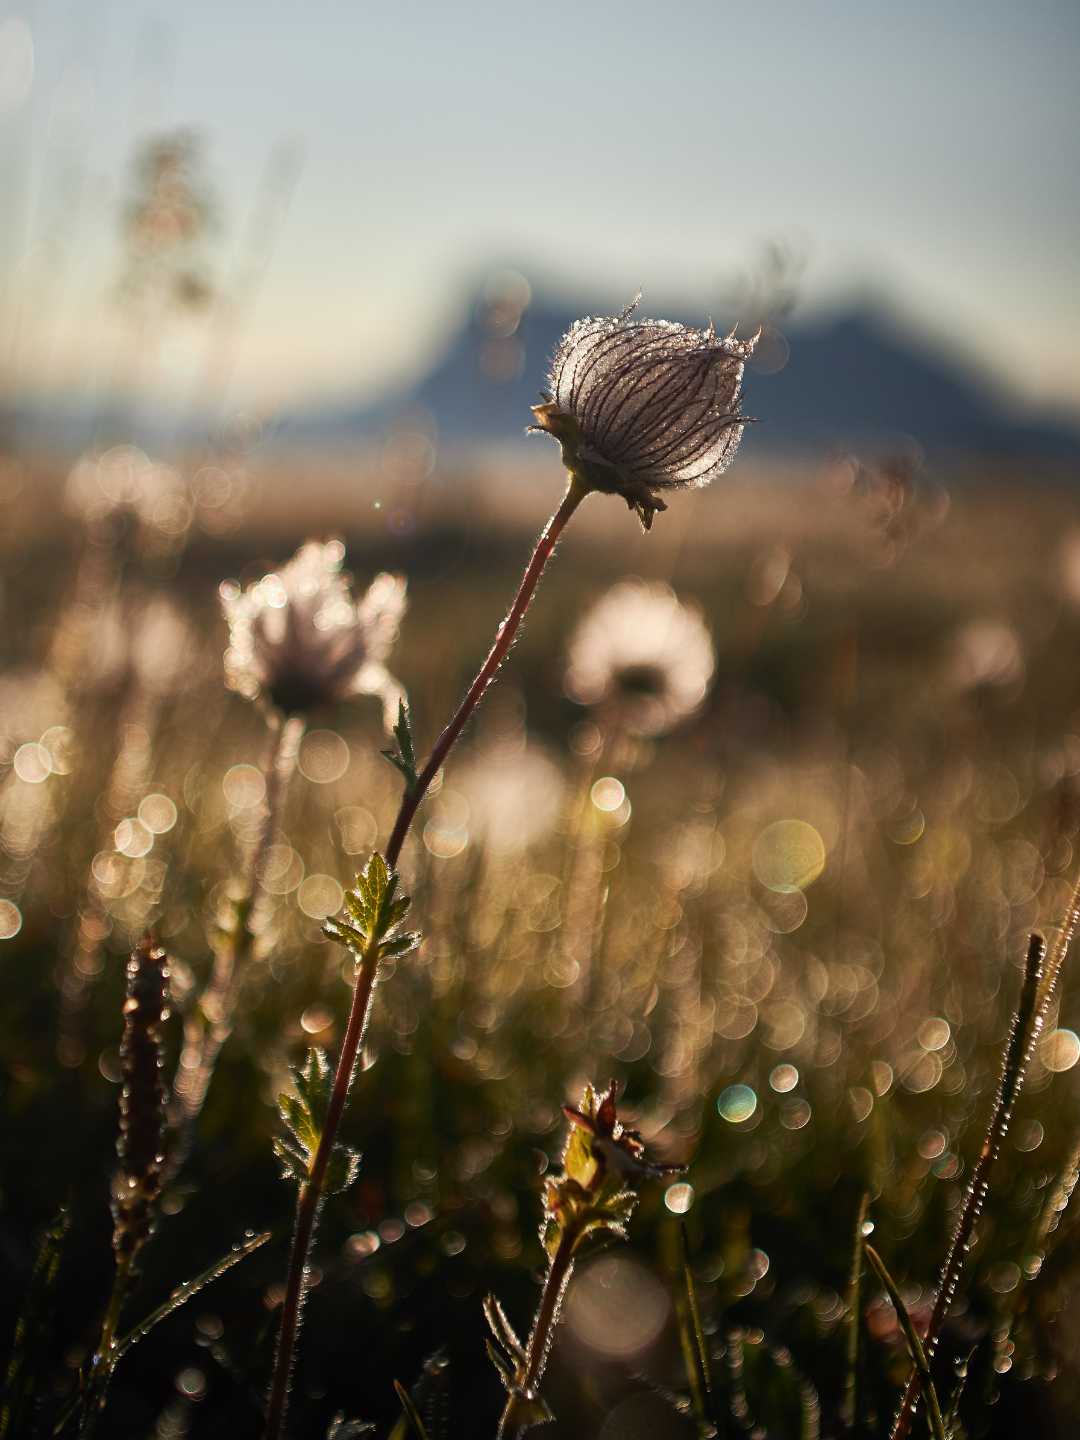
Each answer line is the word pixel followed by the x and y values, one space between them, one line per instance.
pixel 642 656
pixel 298 637
pixel 125 479
pixel 645 405
pixel 162 645
pixel 514 791
pixel 985 652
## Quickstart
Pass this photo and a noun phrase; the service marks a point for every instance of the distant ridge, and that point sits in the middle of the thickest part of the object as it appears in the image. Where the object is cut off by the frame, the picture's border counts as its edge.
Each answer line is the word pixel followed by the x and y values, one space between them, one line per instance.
pixel 853 379
pixel 850 379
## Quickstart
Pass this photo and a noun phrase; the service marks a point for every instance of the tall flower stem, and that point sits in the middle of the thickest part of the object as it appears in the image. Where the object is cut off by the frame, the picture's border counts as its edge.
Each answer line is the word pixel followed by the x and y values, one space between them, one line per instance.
pixel 311 1193
pixel 504 638
pixel 512 1424
pixel 1040 982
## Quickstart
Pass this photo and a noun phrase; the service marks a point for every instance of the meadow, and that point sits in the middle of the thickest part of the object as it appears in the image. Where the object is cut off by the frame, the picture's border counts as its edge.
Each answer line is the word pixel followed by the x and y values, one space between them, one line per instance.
pixel 789 916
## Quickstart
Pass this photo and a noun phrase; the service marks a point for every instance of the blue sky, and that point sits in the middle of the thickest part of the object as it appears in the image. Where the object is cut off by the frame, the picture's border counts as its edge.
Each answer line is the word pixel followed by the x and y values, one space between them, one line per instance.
pixel 928 149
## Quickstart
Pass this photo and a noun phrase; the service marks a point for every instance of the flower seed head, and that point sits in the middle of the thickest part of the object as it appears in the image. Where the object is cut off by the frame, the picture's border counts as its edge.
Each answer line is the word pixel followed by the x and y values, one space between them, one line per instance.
pixel 641 657
pixel 640 406
pixel 298 637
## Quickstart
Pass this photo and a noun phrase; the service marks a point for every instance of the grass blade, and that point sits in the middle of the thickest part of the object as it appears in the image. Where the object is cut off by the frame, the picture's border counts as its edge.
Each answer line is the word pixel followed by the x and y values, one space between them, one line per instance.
pixel 850 1409
pixel 183 1293
pixel 413 1415
pixel 915 1346
pixel 692 1340
pixel 31 1343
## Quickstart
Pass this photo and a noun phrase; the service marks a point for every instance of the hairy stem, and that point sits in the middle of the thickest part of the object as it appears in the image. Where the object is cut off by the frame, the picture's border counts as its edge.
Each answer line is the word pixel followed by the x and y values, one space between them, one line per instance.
pixel 1040 981
pixel 512 1424
pixel 504 638
pixel 310 1199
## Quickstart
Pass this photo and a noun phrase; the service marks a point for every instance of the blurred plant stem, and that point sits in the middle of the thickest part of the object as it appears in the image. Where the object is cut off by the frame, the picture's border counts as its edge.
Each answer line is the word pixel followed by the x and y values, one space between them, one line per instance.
pixel 311 1194
pixel 1041 975
pixel 211 1024
pixel 517 1416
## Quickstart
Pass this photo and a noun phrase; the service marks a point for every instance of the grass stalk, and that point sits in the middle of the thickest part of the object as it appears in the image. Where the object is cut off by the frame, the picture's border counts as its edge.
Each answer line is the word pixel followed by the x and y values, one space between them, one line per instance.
pixel 1041 973
pixel 851 1404
pixel 915 1346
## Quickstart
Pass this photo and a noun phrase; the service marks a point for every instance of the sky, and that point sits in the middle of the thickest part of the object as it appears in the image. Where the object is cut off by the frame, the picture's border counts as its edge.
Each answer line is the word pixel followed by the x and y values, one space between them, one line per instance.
pixel 369 162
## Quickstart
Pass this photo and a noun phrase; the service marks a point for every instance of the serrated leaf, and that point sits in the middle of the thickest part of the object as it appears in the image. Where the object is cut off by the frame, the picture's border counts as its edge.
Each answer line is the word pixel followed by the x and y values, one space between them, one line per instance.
pixel 294 1161
pixel 344 933
pixel 403 758
pixel 401 944
pixel 375 910
pixel 398 910
pixel 314 1084
pixel 297 1117
pixel 304 1115
pixel 342 1169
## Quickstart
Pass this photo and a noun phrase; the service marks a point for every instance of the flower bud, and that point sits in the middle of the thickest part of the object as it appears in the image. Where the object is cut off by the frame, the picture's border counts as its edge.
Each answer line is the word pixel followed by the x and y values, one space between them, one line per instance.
pixel 640 406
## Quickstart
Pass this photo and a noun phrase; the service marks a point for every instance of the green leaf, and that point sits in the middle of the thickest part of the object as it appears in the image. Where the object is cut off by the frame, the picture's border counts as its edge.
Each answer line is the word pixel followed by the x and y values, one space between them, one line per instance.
pixel 314 1084
pixel 342 1170
pixel 375 912
pixel 294 1161
pixel 304 1116
pixel 401 944
pixel 403 758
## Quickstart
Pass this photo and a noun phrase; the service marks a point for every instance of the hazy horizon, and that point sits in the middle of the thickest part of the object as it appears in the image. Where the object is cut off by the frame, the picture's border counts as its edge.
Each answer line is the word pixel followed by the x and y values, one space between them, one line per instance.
pixel 930 156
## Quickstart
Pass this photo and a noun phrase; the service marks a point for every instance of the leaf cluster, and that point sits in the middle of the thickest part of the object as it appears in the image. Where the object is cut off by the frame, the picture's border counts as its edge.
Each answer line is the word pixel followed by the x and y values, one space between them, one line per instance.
pixel 303 1113
pixel 375 912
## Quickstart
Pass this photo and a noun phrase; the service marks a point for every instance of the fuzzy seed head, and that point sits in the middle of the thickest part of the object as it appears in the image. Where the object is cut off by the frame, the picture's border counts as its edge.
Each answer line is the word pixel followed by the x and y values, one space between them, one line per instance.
pixel 641 406
pixel 300 639
pixel 641 657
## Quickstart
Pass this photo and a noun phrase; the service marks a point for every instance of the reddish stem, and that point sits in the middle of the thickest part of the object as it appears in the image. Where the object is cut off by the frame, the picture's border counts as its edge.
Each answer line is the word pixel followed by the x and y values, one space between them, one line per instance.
pixel 504 638
pixel 311 1196
pixel 1035 998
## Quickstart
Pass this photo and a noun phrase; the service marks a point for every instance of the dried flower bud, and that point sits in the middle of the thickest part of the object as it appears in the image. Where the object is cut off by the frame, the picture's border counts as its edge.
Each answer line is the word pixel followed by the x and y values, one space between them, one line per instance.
pixel 602 1161
pixel 641 657
pixel 298 637
pixel 143 1098
pixel 645 405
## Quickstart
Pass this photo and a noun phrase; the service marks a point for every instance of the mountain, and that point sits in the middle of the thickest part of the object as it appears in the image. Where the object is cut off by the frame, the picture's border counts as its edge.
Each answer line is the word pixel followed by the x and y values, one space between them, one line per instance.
pixel 855 378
